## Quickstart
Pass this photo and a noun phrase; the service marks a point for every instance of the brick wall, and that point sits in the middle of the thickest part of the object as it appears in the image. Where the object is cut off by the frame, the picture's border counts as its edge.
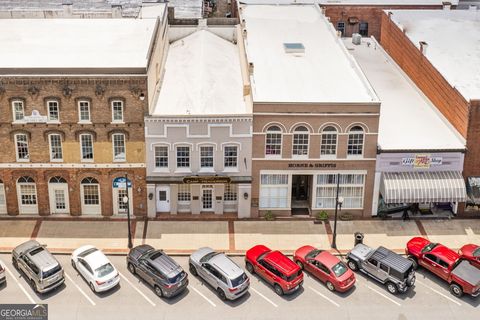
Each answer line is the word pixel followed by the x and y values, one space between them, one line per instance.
pixel 472 159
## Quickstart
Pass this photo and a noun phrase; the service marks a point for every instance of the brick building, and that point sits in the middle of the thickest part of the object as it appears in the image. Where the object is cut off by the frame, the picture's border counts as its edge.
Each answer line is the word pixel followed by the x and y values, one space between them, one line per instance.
pixel 439 51
pixel 71 126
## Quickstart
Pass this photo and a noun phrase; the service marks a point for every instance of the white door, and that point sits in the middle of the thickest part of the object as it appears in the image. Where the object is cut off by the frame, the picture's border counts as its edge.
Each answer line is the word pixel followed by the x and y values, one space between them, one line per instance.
pixel 59 201
pixel 91 202
pixel 3 201
pixel 207 199
pixel 119 207
pixel 163 198
pixel 27 198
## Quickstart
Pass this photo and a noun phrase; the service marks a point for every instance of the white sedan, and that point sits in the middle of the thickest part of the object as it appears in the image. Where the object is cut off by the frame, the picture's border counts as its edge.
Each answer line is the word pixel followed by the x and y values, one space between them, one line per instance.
pixel 2 273
pixel 95 268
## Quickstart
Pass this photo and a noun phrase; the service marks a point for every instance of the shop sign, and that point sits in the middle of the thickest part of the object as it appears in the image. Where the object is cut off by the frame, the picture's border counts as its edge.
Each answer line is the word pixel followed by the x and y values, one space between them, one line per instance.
pixel 422 161
pixel 35 117
pixel 120 183
pixel 311 165
pixel 206 180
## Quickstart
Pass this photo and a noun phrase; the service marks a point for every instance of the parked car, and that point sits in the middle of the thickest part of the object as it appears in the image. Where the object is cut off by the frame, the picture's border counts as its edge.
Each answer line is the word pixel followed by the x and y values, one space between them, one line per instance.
pixel 471 252
pixel 219 271
pixel 157 269
pixel 95 268
pixel 446 264
pixel 40 267
pixel 394 271
pixel 274 267
pixel 3 279
pixel 326 267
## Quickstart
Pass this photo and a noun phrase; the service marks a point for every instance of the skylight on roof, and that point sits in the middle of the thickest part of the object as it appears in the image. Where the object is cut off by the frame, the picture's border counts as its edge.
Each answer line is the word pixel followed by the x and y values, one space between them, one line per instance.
pixel 294 47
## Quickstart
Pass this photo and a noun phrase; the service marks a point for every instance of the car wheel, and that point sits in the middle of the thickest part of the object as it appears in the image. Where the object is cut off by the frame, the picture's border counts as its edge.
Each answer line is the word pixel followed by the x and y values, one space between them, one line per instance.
pixel 92 287
pixel 249 267
pixel 221 294
pixel 414 262
pixel 352 265
pixel 456 290
pixel 158 291
pixel 330 286
pixel 193 270
pixel 300 264
pixel 392 288
pixel 278 290
pixel 73 265
pixel 34 286
pixel 131 268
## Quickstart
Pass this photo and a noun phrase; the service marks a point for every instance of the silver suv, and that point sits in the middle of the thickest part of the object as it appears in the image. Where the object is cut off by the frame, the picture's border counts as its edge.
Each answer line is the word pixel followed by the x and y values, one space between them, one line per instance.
pixel 384 265
pixel 39 266
pixel 219 271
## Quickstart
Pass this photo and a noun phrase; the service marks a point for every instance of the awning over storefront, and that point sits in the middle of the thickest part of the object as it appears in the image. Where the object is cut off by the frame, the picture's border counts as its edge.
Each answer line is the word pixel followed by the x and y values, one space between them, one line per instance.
pixel 423 187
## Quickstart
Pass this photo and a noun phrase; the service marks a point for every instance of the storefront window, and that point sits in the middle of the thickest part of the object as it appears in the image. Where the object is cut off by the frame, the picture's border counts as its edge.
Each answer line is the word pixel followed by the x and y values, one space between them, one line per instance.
pixel 274 191
pixel 350 188
pixel 184 194
pixel 230 193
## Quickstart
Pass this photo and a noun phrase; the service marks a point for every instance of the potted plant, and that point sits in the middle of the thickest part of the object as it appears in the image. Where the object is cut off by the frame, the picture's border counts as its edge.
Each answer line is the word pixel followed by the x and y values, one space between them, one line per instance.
pixel 321 216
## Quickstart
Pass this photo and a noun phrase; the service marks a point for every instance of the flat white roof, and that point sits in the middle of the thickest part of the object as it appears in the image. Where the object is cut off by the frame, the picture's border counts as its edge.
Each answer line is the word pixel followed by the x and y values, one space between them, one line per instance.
pixel 325 72
pixel 202 77
pixel 75 43
pixel 453 38
pixel 408 120
pixel 351 2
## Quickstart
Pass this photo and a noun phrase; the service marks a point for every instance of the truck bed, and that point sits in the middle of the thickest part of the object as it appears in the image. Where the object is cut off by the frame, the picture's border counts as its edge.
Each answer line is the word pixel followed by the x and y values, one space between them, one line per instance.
pixel 464 270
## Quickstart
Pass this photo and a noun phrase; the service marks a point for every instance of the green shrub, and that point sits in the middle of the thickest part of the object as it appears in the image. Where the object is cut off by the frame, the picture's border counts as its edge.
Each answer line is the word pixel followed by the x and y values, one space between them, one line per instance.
pixel 322 215
pixel 269 216
pixel 346 216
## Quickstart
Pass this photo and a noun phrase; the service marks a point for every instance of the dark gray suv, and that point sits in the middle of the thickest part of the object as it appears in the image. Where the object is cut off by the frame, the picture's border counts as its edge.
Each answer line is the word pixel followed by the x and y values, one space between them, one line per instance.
pixel 157 269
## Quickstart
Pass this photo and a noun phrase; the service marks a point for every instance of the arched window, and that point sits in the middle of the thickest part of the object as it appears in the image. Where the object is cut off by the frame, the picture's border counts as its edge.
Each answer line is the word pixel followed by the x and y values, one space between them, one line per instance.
pixel 355 141
pixel 25 179
pixel 27 191
pixel 91 191
pixel 328 145
pixel 89 180
pixel 57 180
pixel 300 141
pixel 273 141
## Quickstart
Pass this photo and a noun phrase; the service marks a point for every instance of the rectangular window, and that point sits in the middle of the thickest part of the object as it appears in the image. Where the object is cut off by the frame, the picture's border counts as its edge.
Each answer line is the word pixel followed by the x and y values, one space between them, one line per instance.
pixel 184 193
pixel 363 29
pixel 84 111
pixel 21 143
pixel 206 157
pixel 300 144
pixel 230 156
pixel 341 27
pixel 28 194
pixel 161 157
pixel 91 194
pixel 18 110
pixel 117 111
pixel 183 157
pixel 274 191
pixel 273 144
pixel 328 145
pixel 53 111
pixel 86 143
pixel 350 188
pixel 230 193
pixel 355 144
pixel 55 147
pixel 119 147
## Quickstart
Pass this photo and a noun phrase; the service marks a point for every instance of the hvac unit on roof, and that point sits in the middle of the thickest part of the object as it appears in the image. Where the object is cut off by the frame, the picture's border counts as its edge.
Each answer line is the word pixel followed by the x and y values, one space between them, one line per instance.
pixel 357 39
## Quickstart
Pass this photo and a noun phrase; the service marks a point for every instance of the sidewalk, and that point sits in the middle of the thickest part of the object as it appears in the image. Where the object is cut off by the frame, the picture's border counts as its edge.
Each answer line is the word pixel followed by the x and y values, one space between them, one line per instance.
pixel 232 236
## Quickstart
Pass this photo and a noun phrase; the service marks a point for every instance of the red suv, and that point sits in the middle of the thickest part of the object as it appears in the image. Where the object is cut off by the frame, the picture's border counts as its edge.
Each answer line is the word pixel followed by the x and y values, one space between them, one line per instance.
pixel 275 268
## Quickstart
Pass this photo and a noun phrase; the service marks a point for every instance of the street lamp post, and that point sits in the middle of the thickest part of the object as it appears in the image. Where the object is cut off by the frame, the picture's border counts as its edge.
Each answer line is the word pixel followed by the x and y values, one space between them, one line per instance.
pixel 126 201
pixel 338 203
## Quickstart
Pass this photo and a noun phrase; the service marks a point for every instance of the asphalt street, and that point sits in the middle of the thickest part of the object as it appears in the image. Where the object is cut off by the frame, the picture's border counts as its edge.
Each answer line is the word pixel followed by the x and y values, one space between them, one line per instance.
pixel 133 299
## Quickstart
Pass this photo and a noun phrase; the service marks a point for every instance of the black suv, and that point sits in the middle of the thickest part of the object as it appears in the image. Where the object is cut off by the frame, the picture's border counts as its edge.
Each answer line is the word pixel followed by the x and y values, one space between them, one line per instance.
pixel 157 269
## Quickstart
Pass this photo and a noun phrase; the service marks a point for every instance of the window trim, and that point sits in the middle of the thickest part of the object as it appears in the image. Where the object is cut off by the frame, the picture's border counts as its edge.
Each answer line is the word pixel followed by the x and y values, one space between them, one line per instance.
pixel 50 147
pixel 329 156
pixel 49 120
pixel 15 120
pixel 206 169
pixel 82 159
pixel 124 159
pixel 89 111
pixel 307 133
pixel 350 132
pixel 156 168
pixel 16 147
pixel 183 169
pixel 281 133
pixel 230 168
pixel 112 110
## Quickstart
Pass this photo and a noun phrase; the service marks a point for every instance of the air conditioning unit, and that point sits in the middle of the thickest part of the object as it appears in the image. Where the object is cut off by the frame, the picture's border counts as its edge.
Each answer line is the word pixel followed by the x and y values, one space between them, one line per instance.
pixel 356 39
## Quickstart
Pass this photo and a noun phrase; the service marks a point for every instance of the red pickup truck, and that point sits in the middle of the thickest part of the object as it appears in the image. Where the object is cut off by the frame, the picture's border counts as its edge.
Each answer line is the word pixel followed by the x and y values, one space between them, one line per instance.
pixel 446 264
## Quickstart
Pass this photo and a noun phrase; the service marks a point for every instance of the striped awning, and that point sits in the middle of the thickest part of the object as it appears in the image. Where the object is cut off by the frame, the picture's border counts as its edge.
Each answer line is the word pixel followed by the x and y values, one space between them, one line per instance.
pixel 423 187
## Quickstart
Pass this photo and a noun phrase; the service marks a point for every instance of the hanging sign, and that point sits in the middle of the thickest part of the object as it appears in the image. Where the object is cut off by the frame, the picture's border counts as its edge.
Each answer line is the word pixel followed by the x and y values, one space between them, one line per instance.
pixel 120 183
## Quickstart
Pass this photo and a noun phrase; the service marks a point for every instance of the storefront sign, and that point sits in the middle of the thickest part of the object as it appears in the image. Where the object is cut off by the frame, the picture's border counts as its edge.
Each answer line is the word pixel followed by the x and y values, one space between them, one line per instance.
pixel 422 161
pixel 206 179
pixel 35 117
pixel 311 165
pixel 120 183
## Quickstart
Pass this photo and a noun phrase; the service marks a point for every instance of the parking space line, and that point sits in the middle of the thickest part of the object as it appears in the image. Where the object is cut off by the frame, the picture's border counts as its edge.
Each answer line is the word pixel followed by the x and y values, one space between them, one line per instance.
pixel 80 289
pixel 136 289
pixel 20 285
pixel 325 297
pixel 388 298
pixel 261 295
pixel 439 293
pixel 203 296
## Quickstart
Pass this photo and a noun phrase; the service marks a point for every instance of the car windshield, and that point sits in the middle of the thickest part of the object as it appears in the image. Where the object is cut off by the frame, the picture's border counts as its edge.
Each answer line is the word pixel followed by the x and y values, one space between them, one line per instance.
pixel 104 270
pixel 50 272
pixel 239 280
pixel 87 252
pixel 293 276
pixel 208 256
pixel 176 278
pixel 313 254
pixel 476 253
pixel 339 269
pixel 429 247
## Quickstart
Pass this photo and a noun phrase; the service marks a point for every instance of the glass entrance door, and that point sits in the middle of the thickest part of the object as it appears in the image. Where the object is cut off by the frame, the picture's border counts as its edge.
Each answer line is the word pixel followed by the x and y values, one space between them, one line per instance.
pixel 207 199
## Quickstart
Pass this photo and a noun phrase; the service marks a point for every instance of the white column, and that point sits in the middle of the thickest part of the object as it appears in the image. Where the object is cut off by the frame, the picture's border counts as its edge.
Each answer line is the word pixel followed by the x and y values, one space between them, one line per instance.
pixel 151 203
pixel 376 192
